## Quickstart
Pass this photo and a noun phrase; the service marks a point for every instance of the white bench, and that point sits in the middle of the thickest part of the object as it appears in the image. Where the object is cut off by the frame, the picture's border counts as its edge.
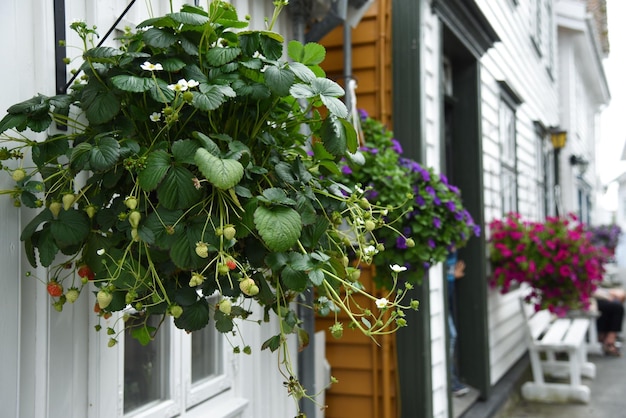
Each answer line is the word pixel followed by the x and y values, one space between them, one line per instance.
pixel 548 335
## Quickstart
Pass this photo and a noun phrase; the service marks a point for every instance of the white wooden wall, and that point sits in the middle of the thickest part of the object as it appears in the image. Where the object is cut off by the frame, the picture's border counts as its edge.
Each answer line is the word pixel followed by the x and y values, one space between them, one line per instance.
pixel 516 61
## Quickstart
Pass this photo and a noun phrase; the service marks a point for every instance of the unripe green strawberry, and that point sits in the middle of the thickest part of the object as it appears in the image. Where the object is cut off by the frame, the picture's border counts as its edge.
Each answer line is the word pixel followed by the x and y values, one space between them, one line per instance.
pixel 104 299
pixel 68 200
pixel 18 174
pixel 130 297
pixel 196 279
pixel 112 342
pixel 58 306
pixel 135 235
pixel 336 330
pixel 225 306
pixel 133 218
pixel 72 294
pixel 222 269
pixel 91 211
pixel 176 311
pixel 370 225
pixel 248 287
pixel 188 96
pixel 202 249
pixel 131 202
pixel 410 242
pixel 364 203
pixel 55 208
pixel 353 274
pixel 229 232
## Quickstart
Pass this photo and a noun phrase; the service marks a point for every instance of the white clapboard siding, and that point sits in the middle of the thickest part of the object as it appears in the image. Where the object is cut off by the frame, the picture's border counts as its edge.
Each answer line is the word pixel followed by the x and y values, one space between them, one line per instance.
pixel 431 57
pixel 516 61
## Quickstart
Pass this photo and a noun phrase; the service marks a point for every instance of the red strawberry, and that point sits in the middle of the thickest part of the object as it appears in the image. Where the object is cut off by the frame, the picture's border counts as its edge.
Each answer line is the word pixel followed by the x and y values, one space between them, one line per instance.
pixel 231 264
pixel 54 288
pixel 85 271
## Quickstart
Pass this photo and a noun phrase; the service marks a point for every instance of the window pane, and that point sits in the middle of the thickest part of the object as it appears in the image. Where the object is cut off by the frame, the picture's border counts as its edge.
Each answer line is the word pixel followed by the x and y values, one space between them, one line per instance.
pixel 205 354
pixel 146 368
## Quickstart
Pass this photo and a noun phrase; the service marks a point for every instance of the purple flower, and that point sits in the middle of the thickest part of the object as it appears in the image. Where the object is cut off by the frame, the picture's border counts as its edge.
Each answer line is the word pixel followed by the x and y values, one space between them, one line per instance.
pixel 431 243
pixel 451 206
pixel 425 174
pixel 419 200
pixel 458 216
pixel 371 194
pixel 401 243
pixel 437 222
pixel 426 265
pixel 453 189
pixel 477 230
pixel 430 191
pixel 444 179
pixel 363 114
pixel 396 146
pixel 346 170
pixel 437 201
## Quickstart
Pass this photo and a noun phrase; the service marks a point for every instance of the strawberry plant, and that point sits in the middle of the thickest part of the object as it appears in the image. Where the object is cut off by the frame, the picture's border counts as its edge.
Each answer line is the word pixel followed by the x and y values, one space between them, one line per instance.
pixel 193 160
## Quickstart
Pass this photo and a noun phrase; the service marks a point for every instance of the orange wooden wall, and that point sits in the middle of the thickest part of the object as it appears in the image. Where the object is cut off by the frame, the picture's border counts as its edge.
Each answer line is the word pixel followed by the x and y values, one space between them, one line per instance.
pixel 366 371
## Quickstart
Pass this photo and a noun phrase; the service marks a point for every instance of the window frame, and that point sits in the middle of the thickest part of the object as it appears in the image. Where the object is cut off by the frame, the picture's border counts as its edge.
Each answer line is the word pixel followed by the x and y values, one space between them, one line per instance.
pixel 509 101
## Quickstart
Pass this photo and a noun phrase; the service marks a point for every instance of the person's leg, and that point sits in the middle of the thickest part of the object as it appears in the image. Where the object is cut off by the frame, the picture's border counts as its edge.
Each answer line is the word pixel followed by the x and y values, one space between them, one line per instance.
pixel 610 323
pixel 458 388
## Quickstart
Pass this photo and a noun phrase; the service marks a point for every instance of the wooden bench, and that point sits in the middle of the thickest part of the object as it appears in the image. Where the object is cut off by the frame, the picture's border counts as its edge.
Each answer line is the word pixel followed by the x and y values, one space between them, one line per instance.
pixel 546 337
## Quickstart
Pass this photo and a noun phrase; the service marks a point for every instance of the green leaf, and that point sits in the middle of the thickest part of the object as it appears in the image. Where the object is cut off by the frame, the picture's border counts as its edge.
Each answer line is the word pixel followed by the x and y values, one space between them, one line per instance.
pixel 80 156
pixel 173 64
pixel 209 99
pixel 70 228
pixel 46 246
pixel 271 45
pixel 184 151
pixel 316 277
pixel 218 56
pixel 159 222
pixel 303 72
pixel 335 106
pixel 194 316
pixel 222 173
pixel 207 142
pixel 295 50
pixel 302 91
pixel 223 323
pixel 273 343
pixel 279 80
pixel 158 22
pixel 187 18
pixel 104 154
pixel 276 195
pixel 352 140
pixel 157 165
pixel 132 83
pixel 294 279
pixel 177 191
pixel 313 54
pixel 100 105
pixel 102 54
pixel 11 121
pixel 143 334
pixel 159 38
pixel 183 252
pixel 28 231
pixel 333 136
pixel 160 93
pixel 279 227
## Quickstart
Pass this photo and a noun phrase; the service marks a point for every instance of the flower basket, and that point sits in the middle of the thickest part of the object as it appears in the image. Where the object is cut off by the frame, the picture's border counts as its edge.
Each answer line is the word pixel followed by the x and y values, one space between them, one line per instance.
pixel 190 162
pixel 555 258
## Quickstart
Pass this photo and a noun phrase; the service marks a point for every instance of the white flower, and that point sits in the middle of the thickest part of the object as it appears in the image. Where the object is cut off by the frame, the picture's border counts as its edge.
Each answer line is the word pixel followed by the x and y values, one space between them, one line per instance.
pixel 192 83
pixel 148 66
pixel 100 251
pixel 358 189
pixel 155 116
pixel 370 250
pixel 397 269
pixel 381 303
pixel 182 85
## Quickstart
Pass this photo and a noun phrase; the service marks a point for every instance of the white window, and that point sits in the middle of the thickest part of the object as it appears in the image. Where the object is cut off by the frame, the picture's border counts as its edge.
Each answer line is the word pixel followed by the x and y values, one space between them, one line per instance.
pixel 172 374
pixel 508 173
pixel 536 22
